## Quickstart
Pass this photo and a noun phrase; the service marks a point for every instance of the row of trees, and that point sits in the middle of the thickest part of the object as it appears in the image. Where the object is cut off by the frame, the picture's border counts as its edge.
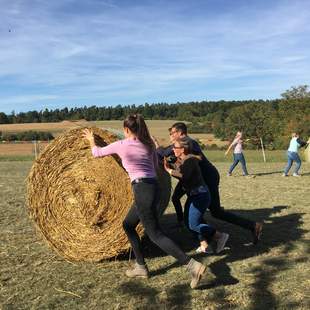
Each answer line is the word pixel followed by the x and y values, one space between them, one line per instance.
pixel 272 120
pixel 27 136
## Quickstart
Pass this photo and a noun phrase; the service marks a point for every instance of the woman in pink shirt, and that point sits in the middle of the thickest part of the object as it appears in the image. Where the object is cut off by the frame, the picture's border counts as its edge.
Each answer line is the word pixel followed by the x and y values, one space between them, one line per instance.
pixel 139 158
pixel 238 154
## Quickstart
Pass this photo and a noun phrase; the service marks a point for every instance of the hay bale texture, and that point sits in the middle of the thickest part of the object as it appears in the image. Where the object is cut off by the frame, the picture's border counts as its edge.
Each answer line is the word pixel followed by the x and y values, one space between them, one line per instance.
pixel 78 202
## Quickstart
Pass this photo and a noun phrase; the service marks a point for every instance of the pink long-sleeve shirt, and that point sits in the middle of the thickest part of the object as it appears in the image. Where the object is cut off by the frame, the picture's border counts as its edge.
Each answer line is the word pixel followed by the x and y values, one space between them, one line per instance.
pixel 136 158
pixel 237 143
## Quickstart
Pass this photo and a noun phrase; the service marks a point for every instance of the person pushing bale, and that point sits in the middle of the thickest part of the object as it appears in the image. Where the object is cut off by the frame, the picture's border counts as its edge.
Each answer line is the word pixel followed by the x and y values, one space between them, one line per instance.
pixel 138 154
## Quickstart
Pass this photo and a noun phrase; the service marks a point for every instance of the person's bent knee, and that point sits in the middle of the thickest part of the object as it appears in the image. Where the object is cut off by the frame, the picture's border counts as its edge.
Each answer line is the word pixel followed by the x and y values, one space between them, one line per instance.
pixel 193 226
pixel 155 236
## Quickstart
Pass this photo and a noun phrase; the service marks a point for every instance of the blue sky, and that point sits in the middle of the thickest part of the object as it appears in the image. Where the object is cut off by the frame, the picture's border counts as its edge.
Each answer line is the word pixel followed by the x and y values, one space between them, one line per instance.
pixel 104 52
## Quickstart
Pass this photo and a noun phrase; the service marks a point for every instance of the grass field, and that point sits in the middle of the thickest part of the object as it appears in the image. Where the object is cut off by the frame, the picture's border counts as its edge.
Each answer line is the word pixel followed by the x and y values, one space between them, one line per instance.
pixel 272 275
pixel 26 152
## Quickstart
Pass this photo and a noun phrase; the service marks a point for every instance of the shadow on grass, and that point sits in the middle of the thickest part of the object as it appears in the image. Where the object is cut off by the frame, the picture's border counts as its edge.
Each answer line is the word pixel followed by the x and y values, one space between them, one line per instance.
pixel 140 296
pixel 279 230
pixel 267 173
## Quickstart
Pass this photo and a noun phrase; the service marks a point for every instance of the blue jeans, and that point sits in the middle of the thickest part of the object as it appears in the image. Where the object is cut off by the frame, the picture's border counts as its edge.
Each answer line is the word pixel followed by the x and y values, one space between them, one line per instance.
pixel 238 157
pixel 291 157
pixel 196 207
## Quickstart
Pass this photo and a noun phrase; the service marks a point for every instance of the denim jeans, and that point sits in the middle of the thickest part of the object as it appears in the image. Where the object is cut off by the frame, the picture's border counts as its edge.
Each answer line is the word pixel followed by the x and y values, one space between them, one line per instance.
pixel 238 157
pixel 195 208
pixel 212 179
pixel 291 157
pixel 144 209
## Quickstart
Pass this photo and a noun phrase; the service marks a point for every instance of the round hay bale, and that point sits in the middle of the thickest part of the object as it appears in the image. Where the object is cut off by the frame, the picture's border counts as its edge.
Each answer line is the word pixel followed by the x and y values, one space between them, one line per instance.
pixel 78 202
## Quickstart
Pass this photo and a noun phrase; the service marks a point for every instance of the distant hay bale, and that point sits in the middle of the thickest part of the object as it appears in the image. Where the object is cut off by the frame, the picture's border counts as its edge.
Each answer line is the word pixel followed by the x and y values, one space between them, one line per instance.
pixel 78 202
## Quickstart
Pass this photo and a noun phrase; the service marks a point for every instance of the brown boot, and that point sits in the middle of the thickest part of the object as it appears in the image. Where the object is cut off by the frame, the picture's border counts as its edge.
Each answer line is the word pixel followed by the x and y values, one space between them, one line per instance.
pixel 196 270
pixel 139 271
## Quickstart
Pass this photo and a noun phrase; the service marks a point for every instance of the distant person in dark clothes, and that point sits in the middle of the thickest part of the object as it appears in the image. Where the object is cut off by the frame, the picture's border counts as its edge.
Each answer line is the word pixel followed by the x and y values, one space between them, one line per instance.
pixel 292 154
pixel 212 180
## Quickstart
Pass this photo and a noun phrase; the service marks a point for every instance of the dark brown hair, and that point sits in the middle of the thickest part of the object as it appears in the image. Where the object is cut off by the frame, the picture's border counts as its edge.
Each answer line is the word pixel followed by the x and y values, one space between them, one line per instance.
pixel 136 124
pixel 186 143
pixel 179 126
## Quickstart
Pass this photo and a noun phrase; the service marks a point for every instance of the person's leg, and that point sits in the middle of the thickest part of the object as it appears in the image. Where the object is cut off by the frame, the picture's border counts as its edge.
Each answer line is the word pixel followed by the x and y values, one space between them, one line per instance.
pixel 218 212
pixel 234 164
pixel 196 211
pixel 176 200
pixel 298 163
pixel 289 163
pixel 129 224
pixel 243 164
pixel 146 198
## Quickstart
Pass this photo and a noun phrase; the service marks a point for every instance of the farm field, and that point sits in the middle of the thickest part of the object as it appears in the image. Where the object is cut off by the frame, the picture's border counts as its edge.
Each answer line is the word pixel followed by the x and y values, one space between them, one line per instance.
pixel 272 275
pixel 158 128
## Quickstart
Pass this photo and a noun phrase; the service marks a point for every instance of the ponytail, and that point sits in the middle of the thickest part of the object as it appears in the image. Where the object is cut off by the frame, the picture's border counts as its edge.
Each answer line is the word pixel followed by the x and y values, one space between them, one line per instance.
pixel 136 124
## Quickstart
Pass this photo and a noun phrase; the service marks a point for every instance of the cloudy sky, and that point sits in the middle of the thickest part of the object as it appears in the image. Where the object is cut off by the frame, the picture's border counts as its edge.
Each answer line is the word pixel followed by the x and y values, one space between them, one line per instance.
pixel 107 52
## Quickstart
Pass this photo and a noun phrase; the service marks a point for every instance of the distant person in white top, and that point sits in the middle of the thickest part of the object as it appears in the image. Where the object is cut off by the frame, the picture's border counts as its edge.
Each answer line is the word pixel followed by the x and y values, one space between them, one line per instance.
pixel 292 154
pixel 238 154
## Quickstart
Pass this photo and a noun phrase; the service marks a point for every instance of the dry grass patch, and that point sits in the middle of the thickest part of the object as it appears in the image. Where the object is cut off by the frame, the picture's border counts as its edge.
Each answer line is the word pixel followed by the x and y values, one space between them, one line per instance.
pixel 272 275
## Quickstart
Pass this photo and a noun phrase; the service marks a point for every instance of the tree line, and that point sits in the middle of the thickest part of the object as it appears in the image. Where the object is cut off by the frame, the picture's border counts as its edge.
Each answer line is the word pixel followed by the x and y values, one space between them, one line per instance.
pixel 271 120
pixel 29 135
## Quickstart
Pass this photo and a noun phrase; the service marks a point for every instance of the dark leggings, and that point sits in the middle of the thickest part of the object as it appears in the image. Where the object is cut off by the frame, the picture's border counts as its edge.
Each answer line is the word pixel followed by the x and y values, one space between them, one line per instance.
pixel 144 210
pixel 215 208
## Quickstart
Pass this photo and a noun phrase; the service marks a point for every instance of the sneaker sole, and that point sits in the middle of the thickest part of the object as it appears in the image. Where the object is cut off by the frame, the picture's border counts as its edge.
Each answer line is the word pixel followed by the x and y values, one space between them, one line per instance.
pixel 200 274
pixel 137 276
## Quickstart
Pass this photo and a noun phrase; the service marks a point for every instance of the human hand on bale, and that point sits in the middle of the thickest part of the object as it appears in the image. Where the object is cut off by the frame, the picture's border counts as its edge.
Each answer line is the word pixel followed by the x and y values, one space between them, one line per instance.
pixel 88 135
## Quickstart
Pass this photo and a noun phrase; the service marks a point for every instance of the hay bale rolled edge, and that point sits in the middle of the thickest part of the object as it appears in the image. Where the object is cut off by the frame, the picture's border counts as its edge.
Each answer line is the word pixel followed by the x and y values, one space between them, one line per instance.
pixel 53 224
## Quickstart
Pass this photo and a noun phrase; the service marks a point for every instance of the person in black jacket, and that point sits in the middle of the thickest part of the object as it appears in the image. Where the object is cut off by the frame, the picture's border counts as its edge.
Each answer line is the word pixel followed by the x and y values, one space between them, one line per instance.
pixel 188 171
pixel 212 180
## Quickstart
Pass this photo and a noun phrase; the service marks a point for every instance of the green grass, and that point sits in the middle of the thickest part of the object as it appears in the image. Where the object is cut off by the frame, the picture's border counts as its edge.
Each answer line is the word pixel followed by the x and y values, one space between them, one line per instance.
pixel 16 158
pixel 252 156
pixel 272 275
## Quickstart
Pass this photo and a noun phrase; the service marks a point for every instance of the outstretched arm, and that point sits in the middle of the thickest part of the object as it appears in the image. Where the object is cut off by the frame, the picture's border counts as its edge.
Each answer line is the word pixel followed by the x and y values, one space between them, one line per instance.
pixel 229 148
pixel 98 151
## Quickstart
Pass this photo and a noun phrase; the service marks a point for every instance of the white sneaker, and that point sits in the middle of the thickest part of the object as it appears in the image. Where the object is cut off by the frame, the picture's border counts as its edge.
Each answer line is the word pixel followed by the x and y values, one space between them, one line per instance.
pixel 208 250
pixel 284 175
pixel 296 175
pixel 221 243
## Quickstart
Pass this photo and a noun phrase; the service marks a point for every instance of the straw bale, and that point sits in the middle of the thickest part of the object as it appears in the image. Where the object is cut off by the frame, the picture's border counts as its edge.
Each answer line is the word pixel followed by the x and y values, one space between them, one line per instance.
pixel 78 202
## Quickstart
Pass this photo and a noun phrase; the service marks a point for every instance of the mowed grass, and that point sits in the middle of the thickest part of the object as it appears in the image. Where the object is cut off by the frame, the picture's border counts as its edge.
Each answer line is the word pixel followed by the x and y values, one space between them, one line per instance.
pixel 252 156
pixel 272 275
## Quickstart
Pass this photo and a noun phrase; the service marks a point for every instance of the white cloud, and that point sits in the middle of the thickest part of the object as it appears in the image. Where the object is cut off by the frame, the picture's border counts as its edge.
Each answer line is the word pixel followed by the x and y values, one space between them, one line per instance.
pixel 102 49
